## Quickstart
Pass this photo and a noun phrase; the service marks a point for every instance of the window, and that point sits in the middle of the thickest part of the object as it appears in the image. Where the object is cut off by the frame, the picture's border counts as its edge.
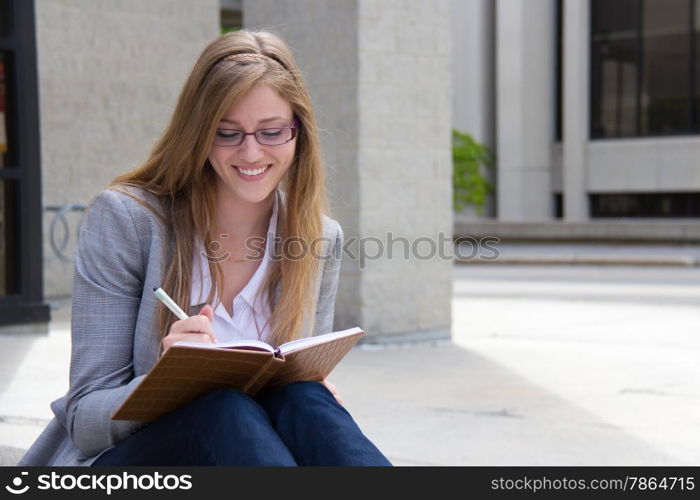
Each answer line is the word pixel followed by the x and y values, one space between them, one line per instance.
pixel 6 189
pixel 674 205
pixel 644 68
pixel 21 266
pixel 559 72
pixel 7 280
pixel 231 15
pixel 5 16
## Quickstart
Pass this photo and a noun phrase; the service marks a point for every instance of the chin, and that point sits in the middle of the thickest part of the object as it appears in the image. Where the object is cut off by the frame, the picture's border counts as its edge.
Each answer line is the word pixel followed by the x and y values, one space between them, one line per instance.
pixel 258 196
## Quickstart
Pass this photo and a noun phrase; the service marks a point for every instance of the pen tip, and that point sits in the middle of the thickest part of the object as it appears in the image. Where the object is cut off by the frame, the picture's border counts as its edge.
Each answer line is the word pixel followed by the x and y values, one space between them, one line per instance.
pixel 155 288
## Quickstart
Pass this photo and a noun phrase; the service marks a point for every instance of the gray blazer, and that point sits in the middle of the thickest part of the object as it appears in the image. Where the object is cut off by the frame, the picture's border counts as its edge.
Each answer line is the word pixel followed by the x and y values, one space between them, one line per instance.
pixel 118 263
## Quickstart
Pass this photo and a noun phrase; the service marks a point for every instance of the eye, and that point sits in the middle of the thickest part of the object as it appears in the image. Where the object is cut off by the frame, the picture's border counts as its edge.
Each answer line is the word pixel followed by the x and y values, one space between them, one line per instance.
pixel 271 132
pixel 228 134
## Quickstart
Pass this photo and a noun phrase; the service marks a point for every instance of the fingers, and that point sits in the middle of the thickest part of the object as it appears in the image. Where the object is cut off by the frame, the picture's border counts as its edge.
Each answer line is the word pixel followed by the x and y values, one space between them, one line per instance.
pixel 334 390
pixel 194 324
pixel 207 311
pixel 339 399
pixel 331 386
pixel 171 338
pixel 193 329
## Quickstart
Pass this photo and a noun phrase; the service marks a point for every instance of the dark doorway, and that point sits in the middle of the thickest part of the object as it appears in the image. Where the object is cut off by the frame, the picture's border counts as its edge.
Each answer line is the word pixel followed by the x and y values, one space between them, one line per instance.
pixel 21 265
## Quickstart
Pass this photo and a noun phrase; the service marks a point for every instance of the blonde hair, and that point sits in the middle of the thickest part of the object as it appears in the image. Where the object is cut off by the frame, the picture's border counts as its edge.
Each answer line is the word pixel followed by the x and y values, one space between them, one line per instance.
pixel 179 173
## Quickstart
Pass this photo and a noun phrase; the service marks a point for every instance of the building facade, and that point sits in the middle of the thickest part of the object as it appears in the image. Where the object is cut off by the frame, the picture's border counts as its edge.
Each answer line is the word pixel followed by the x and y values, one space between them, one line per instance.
pixel 109 72
pixel 591 108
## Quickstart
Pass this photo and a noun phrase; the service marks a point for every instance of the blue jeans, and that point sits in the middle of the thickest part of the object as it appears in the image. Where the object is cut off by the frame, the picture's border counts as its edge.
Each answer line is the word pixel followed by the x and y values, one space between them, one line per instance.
pixel 298 424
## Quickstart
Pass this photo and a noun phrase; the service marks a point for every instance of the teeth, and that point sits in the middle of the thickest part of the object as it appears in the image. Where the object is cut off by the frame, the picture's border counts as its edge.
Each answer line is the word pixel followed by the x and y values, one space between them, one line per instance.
pixel 257 171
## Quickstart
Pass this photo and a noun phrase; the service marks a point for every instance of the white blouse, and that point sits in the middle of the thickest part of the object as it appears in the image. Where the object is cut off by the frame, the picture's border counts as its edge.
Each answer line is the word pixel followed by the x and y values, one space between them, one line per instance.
pixel 250 316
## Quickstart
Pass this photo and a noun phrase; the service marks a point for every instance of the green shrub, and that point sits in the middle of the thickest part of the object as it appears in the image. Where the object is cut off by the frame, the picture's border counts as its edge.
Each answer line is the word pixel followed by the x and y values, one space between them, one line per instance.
pixel 470 160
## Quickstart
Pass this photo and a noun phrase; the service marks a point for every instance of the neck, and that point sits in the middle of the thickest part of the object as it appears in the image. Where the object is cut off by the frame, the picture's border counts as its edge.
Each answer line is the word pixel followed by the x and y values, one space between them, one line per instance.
pixel 240 219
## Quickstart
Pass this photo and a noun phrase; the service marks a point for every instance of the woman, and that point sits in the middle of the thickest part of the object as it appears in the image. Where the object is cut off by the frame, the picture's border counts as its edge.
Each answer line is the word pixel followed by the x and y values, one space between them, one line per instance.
pixel 238 163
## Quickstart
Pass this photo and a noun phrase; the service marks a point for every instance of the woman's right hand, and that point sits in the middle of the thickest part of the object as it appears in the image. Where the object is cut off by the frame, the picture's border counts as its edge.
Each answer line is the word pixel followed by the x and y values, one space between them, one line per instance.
pixel 193 329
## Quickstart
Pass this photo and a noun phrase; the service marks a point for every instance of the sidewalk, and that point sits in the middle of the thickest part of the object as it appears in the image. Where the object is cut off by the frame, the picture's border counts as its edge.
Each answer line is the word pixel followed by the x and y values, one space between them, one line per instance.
pixel 532 379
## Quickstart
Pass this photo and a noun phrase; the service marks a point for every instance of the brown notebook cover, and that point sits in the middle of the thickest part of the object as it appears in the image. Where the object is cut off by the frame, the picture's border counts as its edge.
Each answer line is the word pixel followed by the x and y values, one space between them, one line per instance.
pixel 188 371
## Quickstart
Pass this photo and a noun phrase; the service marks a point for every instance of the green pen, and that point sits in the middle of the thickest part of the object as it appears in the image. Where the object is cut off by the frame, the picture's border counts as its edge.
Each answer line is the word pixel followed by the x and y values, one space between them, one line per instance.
pixel 169 303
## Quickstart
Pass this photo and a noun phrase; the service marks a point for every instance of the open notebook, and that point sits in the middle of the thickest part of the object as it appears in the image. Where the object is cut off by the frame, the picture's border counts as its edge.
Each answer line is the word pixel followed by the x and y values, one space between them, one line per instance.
pixel 191 369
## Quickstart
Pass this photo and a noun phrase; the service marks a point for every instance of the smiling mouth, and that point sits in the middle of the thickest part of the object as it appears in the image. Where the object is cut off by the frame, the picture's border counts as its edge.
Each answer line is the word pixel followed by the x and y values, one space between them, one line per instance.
pixel 250 172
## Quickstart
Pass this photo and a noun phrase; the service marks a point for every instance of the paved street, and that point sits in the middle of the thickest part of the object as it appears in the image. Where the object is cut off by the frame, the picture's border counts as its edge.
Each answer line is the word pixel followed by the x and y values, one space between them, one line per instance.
pixel 550 365
pixel 617 346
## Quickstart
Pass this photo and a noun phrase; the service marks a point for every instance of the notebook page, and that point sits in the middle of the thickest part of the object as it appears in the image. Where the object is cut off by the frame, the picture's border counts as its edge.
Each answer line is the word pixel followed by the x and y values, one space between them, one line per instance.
pixel 297 344
pixel 234 344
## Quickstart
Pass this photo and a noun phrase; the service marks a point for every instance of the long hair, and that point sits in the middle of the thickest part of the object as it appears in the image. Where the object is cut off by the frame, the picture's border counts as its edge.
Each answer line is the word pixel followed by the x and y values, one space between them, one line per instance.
pixel 178 172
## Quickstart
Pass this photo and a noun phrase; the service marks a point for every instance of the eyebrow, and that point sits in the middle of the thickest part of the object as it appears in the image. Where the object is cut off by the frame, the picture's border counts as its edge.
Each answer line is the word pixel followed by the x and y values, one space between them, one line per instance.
pixel 265 120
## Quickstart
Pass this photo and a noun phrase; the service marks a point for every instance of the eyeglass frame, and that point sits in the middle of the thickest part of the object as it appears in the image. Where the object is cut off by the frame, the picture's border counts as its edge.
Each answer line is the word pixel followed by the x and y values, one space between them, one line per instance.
pixel 293 127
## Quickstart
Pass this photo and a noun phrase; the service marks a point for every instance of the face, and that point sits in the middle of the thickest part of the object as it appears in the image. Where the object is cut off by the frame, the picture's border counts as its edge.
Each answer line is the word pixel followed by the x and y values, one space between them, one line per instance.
pixel 251 172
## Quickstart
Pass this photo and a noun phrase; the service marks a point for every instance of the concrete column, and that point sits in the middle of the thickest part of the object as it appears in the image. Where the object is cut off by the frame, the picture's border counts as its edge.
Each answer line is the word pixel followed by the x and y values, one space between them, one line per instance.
pixel 473 61
pixel 576 108
pixel 379 74
pixel 525 103
pixel 472 68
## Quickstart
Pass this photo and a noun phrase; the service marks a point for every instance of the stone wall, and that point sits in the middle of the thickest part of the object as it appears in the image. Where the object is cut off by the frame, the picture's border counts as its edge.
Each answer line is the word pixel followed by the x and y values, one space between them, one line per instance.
pixel 109 74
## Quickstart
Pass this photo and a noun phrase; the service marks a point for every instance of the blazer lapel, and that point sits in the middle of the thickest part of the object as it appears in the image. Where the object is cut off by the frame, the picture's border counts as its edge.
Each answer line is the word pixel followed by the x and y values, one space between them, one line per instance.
pixel 194 310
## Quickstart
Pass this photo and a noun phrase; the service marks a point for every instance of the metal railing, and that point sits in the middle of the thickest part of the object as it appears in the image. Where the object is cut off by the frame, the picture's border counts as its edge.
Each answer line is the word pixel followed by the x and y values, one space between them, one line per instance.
pixel 59 230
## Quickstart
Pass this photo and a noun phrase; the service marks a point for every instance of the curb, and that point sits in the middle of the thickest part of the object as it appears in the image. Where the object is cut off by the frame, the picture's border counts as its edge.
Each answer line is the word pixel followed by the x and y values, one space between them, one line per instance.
pixel 10 455
pixel 586 260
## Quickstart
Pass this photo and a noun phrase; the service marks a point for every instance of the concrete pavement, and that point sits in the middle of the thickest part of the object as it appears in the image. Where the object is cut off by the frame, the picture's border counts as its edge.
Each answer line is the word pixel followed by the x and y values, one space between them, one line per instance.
pixel 548 366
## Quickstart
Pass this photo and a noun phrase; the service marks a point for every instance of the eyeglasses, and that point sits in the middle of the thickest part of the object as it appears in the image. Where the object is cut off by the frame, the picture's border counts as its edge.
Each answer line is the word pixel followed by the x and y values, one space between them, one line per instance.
pixel 266 137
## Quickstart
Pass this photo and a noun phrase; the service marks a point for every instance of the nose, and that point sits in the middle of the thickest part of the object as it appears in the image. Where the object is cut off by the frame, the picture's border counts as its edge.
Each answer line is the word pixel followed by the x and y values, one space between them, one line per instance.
pixel 250 150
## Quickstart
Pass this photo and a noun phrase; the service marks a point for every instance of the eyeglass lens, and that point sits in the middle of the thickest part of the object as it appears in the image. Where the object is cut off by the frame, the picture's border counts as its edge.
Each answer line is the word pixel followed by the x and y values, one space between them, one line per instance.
pixel 266 137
